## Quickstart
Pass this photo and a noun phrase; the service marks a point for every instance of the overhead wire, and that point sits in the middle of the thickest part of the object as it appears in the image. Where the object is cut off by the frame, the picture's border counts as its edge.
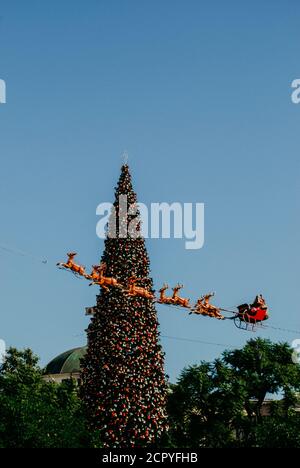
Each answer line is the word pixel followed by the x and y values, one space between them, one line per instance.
pixel 195 340
pixel 21 253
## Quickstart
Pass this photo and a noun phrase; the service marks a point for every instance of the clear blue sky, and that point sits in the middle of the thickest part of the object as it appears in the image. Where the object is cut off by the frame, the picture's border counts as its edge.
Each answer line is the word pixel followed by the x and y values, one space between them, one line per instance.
pixel 198 92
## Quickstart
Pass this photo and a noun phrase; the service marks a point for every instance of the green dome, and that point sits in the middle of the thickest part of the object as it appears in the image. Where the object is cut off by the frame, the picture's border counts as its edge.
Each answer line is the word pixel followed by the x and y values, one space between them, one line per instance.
pixel 66 363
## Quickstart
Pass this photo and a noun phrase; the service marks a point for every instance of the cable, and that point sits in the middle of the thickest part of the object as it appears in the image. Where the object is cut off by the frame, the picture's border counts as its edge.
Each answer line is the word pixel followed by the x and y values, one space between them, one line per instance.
pixel 196 341
pixel 191 340
pixel 281 329
pixel 21 253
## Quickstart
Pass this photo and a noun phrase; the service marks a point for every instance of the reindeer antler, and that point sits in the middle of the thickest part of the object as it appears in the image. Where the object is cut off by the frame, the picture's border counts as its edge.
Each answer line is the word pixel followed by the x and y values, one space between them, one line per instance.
pixel 71 254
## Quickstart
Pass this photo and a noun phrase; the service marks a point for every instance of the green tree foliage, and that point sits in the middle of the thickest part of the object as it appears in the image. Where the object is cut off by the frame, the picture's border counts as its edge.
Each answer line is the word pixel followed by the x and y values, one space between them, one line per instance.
pixel 278 431
pixel 35 413
pixel 266 368
pixel 221 404
pixel 204 405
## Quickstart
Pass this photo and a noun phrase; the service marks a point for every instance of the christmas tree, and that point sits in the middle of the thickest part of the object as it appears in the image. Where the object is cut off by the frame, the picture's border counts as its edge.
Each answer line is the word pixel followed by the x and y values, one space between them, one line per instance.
pixel 123 381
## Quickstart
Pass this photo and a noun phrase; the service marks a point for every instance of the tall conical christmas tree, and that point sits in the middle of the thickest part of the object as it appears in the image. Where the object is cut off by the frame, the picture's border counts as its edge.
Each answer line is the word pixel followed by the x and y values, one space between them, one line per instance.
pixel 124 387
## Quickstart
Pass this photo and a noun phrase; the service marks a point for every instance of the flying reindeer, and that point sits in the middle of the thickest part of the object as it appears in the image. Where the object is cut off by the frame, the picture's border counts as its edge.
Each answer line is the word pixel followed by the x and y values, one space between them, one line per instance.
pixel 71 265
pixel 134 290
pixel 95 275
pixel 203 307
pixel 163 299
pixel 101 280
pixel 177 300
